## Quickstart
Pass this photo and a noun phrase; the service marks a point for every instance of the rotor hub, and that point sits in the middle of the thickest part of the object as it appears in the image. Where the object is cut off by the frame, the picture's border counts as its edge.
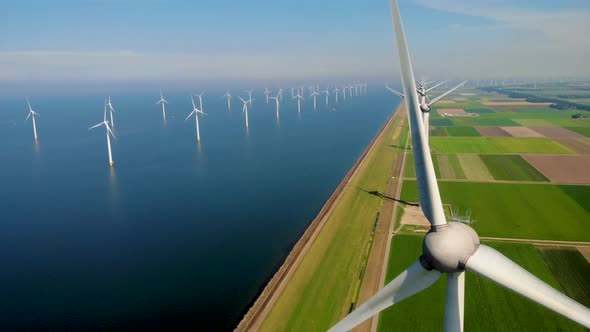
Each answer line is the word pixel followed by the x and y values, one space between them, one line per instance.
pixel 447 248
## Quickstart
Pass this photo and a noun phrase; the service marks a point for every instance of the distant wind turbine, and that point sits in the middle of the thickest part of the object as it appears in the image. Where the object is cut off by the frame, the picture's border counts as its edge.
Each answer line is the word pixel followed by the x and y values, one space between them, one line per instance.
pixel 336 90
pixel 277 103
pixel 266 92
pixel 196 112
pixel 32 114
pixel 112 109
pixel 327 96
pixel 299 99
pixel 344 92
pixel 314 94
pixel 163 102
pixel 228 96
pixel 109 132
pixel 250 96
pixel 245 109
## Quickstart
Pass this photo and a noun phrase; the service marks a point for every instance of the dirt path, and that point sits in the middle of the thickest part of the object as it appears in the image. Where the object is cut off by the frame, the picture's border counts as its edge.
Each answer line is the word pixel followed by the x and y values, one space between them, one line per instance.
pixel 265 301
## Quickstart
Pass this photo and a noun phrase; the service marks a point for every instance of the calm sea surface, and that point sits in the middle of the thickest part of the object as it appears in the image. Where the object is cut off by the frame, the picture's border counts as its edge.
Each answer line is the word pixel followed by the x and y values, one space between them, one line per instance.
pixel 177 234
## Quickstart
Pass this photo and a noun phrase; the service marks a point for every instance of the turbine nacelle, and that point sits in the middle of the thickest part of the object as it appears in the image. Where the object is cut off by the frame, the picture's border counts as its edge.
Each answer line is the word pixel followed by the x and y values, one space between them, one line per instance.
pixel 446 248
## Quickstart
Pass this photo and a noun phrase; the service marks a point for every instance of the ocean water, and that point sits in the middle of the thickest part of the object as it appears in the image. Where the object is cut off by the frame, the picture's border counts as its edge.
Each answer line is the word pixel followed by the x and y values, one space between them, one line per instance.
pixel 178 234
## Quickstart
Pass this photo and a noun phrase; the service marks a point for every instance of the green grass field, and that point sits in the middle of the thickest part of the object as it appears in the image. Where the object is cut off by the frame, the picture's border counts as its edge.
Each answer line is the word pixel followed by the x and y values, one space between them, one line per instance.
pixel 532 211
pixel 449 166
pixel 438 131
pixel 580 130
pixel 496 145
pixel 511 168
pixel 320 290
pixel 462 131
pixel 488 307
pixel 572 271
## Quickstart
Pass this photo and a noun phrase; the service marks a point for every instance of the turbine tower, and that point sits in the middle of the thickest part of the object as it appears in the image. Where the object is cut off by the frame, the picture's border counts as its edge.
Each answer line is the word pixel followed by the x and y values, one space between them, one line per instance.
pixel 112 109
pixel 453 247
pixel 277 103
pixel 228 96
pixel 32 114
pixel 314 94
pixel 163 102
pixel 327 96
pixel 245 109
pixel 299 99
pixel 250 96
pixel 196 112
pixel 336 90
pixel 266 92
pixel 109 132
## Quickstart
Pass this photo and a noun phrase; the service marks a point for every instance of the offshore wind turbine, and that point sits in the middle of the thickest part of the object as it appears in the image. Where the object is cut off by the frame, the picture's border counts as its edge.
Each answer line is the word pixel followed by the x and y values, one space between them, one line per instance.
pixel 250 96
pixel 228 96
pixel 277 103
pixel 32 114
pixel 299 99
pixel 163 102
pixel 314 94
pixel 196 112
pixel 112 109
pixel 109 132
pixel 453 247
pixel 266 92
pixel 245 109
pixel 336 90
pixel 327 96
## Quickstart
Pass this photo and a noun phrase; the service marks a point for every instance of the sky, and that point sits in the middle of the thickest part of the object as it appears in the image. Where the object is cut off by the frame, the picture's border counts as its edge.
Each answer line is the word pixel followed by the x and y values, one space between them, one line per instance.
pixel 167 40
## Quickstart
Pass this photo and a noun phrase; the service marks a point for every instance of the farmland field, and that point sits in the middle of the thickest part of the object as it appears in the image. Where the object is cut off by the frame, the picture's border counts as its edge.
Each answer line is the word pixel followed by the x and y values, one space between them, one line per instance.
pixel 496 145
pixel 571 270
pixel 462 131
pixel 511 168
pixel 474 167
pixel 449 166
pixel 580 130
pixel 488 307
pixel 532 211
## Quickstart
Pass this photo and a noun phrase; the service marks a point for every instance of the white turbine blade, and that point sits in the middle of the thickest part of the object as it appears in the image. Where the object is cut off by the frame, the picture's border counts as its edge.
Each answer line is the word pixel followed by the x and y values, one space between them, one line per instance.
pixel 430 201
pixel 394 91
pixel 96 125
pixel 189 115
pixel 455 302
pixel 193 101
pixel 436 86
pixel 29 103
pixel 109 130
pixel 491 264
pixel 243 101
pixel 411 281
pixel 433 101
pixel 28 116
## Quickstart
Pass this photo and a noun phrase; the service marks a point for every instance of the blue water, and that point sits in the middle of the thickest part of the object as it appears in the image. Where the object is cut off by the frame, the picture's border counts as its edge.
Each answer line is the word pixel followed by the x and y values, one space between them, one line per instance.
pixel 177 234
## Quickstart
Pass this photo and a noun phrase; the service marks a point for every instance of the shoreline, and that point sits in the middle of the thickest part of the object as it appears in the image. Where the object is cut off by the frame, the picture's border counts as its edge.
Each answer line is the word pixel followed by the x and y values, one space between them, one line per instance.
pixel 257 313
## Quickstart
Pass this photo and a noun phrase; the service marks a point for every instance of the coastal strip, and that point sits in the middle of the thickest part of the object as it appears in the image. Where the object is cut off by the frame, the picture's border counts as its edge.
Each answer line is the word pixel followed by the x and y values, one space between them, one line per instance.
pixel 265 301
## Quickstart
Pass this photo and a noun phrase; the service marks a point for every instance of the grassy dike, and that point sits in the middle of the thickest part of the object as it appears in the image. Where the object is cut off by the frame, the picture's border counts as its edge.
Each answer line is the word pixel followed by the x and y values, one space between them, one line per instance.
pixel 322 288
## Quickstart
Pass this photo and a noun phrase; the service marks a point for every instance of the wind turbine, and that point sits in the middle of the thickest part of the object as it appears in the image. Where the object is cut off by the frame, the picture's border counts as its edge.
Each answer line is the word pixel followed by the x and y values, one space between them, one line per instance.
pixel 196 112
pixel 228 96
pixel 163 102
pixel 109 132
pixel 245 109
pixel 336 90
pixel 453 247
pixel 277 102
pixel 110 105
pixel 32 115
pixel 314 94
pixel 327 96
pixel 266 92
pixel 299 99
